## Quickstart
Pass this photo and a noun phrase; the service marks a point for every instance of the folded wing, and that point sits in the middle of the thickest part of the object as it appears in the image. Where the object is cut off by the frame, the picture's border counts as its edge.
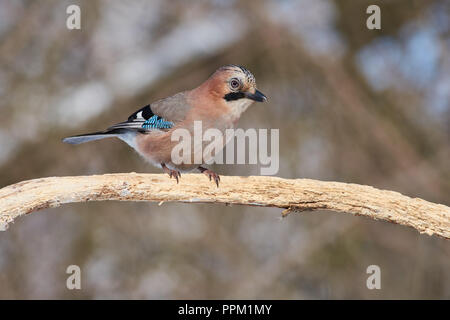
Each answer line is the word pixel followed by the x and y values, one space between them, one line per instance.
pixel 160 115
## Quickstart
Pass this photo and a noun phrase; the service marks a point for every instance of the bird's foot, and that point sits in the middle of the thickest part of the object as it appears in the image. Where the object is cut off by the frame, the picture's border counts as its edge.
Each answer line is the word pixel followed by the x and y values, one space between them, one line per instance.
pixel 210 174
pixel 172 173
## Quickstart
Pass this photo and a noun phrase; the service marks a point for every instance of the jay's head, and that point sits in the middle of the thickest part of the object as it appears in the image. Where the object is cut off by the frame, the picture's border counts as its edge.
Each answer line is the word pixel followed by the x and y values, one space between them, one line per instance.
pixel 236 87
pixel 233 83
pixel 233 86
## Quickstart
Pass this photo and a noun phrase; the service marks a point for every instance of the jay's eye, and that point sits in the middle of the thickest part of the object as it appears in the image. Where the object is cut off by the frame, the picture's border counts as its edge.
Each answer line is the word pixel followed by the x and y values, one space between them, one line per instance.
pixel 235 84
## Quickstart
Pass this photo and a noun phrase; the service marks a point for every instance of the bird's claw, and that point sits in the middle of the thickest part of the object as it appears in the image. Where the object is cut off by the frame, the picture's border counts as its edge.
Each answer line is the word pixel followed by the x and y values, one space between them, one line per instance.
pixel 172 173
pixel 175 174
pixel 211 175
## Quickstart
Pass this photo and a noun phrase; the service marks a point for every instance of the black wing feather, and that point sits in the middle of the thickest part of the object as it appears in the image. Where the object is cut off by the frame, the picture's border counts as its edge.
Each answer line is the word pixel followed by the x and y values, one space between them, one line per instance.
pixel 138 121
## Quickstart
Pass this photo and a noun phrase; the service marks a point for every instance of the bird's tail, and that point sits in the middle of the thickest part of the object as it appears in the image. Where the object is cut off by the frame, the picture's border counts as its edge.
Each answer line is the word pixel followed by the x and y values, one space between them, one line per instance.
pixel 82 138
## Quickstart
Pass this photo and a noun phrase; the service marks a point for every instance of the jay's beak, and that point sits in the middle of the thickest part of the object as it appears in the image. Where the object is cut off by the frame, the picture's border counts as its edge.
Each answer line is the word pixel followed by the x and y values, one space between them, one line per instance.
pixel 257 96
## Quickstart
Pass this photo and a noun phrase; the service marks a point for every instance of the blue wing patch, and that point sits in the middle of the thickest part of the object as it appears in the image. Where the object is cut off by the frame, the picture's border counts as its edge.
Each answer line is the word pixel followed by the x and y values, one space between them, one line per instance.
pixel 156 122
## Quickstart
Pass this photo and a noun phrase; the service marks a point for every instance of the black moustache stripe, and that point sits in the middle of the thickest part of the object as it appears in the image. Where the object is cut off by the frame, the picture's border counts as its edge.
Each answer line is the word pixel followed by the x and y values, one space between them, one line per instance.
pixel 234 96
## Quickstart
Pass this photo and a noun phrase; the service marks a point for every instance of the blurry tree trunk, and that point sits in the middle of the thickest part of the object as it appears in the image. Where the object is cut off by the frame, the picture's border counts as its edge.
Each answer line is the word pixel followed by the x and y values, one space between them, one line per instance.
pixel 292 195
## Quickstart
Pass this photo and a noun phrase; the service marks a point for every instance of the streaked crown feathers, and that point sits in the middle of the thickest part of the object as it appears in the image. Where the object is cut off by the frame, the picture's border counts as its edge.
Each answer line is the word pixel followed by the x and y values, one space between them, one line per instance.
pixel 249 77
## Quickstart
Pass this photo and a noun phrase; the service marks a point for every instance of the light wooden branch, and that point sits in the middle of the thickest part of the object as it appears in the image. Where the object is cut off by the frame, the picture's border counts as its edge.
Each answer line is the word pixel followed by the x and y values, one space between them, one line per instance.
pixel 292 195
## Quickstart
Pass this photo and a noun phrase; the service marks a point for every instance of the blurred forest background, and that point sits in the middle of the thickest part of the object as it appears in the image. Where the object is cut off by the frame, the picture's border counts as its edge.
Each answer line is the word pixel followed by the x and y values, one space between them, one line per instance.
pixel 352 105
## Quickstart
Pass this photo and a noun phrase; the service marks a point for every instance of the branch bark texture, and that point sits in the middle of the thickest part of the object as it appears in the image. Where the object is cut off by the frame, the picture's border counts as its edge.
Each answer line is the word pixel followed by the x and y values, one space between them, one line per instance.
pixel 293 195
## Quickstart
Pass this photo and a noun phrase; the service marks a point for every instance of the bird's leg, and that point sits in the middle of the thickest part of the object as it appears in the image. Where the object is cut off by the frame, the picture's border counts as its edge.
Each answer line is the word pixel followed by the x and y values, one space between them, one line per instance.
pixel 210 174
pixel 172 173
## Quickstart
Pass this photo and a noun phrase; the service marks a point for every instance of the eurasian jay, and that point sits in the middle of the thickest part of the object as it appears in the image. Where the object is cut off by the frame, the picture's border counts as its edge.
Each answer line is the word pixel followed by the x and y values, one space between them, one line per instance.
pixel 217 103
